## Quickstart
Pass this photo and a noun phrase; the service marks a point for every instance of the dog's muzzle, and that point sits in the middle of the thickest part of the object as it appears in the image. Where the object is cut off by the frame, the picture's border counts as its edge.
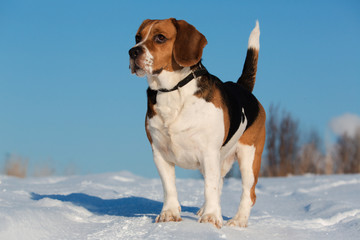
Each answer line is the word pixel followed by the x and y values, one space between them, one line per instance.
pixel 135 52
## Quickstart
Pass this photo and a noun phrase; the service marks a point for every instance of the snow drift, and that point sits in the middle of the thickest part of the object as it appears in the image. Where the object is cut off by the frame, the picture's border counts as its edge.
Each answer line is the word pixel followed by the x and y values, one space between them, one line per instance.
pixel 124 206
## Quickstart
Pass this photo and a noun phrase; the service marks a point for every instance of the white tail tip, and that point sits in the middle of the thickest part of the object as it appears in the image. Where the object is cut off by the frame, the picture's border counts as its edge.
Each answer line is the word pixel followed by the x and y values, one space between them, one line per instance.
pixel 254 37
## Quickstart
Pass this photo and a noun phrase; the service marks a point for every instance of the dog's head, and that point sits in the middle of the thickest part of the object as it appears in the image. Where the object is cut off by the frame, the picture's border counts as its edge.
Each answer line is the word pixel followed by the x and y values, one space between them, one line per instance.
pixel 168 44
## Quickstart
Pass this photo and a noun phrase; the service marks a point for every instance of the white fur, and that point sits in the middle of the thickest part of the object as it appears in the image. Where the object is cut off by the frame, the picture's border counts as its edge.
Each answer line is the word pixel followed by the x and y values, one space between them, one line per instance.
pixel 230 146
pixel 186 127
pixel 188 132
pixel 147 59
pixel 166 79
pixel 254 37
pixel 227 157
pixel 245 155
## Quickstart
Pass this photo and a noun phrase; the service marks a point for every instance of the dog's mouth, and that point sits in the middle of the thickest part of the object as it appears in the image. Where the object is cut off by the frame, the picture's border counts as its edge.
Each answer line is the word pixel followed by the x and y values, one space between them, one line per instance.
pixel 133 66
pixel 136 69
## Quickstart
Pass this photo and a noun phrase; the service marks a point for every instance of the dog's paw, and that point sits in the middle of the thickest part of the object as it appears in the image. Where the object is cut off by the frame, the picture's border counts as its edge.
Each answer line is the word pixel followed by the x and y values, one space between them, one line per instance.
pixel 201 211
pixel 237 222
pixel 170 215
pixel 211 218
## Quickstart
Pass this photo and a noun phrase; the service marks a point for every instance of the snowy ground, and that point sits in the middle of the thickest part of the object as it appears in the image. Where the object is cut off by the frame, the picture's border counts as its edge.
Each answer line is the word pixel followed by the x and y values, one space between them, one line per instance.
pixel 124 206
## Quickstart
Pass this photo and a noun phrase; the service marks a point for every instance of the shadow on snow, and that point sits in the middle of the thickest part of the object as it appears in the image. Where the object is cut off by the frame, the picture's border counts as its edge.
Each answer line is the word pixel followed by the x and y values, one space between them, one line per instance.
pixel 124 207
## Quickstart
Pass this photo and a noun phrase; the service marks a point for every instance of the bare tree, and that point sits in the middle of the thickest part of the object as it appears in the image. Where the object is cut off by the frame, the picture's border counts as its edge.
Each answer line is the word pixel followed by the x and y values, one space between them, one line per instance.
pixel 311 160
pixel 343 153
pixel 347 153
pixel 272 155
pixel 356 161
pixel 281 143
pixel 288 144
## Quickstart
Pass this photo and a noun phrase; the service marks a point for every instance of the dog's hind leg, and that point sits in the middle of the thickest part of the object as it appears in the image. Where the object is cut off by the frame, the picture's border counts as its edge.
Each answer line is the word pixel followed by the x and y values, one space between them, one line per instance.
pixel 249 158
pixel 245 155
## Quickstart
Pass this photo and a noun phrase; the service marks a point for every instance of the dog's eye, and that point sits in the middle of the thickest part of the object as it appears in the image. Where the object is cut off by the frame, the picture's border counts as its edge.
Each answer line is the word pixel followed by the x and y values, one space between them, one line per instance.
pixel 137 39
pixel 160 38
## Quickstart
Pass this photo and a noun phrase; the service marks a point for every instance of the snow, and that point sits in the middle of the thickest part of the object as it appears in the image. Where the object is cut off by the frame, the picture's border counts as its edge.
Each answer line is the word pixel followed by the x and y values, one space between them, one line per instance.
pixel 124 206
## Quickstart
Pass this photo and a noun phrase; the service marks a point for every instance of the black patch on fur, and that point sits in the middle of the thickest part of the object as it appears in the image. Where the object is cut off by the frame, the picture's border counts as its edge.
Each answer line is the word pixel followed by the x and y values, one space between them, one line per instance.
pixel 247 78
pixel 237 98
pixel 151 95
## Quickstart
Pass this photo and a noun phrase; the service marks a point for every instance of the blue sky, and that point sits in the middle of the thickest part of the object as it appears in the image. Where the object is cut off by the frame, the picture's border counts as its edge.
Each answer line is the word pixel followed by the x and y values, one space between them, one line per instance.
pixel 67 96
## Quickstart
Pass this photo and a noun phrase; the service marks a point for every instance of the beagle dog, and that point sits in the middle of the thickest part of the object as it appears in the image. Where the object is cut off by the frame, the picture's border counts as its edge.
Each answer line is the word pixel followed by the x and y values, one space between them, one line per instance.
pixel 196 121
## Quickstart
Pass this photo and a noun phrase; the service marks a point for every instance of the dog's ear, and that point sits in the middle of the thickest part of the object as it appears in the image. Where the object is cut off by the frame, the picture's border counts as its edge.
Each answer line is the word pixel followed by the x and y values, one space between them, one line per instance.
pixel 189 44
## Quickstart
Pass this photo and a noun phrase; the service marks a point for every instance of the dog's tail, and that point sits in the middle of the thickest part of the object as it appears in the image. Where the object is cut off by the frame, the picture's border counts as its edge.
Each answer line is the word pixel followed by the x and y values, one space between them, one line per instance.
pixel 247 78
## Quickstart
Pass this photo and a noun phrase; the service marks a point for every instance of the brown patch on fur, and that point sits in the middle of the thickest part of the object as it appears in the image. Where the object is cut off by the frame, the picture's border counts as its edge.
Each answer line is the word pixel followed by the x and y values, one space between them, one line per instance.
pixel 161 52
pixel 206 89
pixel 183 47
pixel 189 44
pixel 209 91
pixel 255 136
pixel 142 26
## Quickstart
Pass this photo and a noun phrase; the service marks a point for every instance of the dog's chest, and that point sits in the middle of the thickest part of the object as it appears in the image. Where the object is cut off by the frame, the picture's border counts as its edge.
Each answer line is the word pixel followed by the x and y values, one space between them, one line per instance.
pixel 185 127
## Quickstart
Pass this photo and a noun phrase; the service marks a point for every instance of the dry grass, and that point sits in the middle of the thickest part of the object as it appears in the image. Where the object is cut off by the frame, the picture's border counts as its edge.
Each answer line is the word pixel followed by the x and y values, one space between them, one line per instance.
pixel 43 171
pixel 16 166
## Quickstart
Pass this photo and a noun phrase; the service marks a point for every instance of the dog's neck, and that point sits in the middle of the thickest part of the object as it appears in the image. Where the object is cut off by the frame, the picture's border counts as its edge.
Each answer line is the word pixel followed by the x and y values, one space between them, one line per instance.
pixel 166 79
pixel 170 103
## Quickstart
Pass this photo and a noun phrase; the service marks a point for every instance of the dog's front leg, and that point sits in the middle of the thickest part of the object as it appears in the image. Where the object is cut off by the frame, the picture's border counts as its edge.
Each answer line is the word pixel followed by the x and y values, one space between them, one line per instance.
pixel 211 171
pixel 171 207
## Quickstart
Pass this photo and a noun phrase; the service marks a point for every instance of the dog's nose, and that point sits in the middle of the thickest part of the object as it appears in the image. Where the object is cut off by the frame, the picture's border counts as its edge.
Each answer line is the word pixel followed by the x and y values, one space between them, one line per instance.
pixel 134 52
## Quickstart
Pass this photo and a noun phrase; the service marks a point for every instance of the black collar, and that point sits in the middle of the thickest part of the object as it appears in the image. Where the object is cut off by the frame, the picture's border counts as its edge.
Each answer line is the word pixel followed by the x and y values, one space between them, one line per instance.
pixel 194 74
